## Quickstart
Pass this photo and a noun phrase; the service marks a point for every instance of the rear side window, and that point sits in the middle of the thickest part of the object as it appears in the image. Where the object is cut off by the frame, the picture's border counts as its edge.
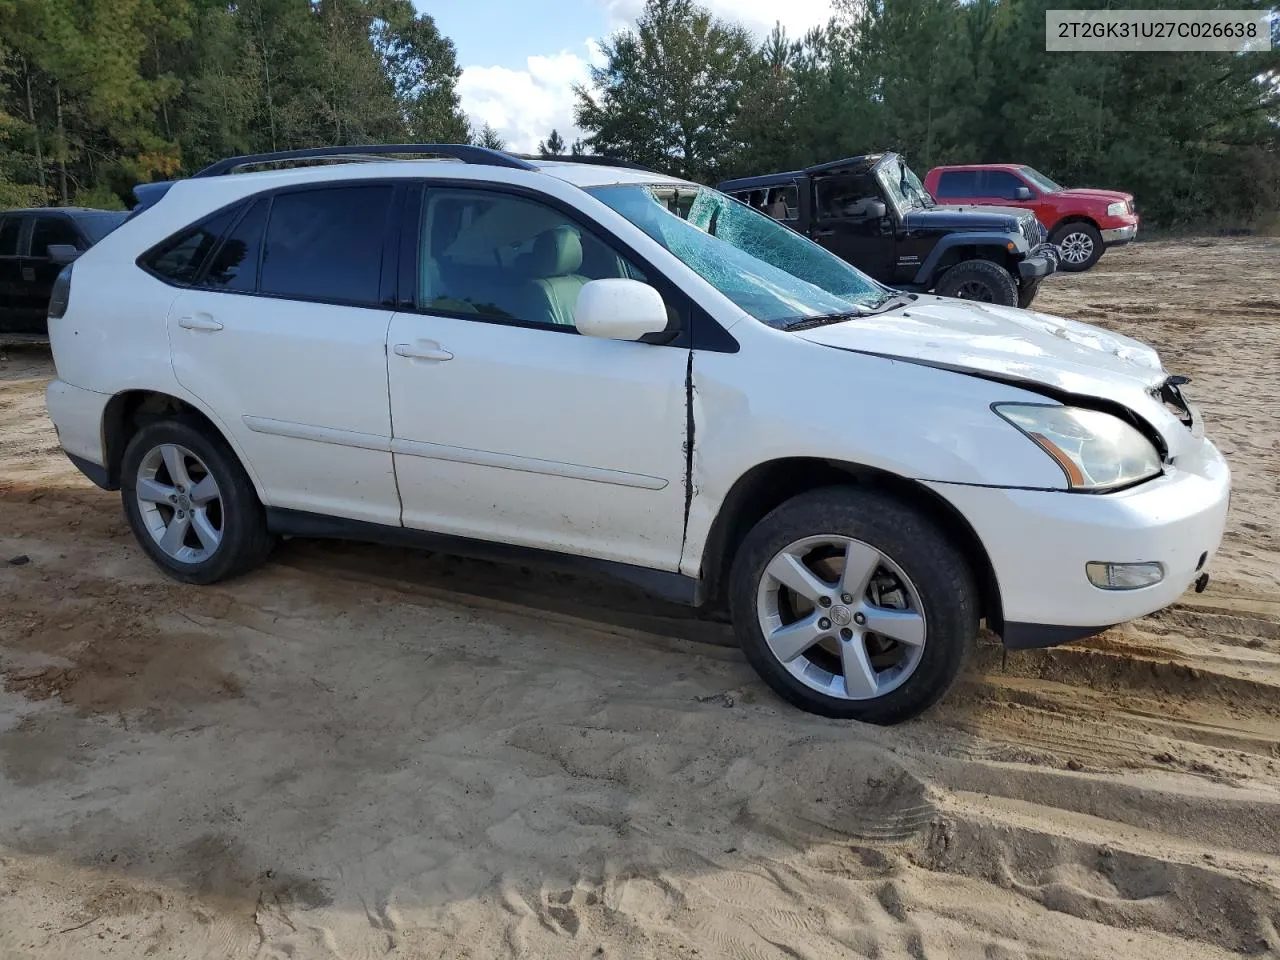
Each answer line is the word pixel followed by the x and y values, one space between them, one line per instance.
pixel 9 227
pixel 52 230
pixel 326 244
pixel 180 258
pixel 235 266
pixel 958 183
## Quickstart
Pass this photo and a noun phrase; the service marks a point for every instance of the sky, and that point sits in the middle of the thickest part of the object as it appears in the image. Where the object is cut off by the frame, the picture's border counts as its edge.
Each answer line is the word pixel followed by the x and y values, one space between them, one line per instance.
pixel 521 58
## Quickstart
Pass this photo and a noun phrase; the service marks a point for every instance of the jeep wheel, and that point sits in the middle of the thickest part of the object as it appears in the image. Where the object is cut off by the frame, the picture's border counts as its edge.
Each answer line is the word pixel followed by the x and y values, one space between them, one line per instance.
pixel 851 604
pixel 979 280
pixel 190 503
pixel 1080 244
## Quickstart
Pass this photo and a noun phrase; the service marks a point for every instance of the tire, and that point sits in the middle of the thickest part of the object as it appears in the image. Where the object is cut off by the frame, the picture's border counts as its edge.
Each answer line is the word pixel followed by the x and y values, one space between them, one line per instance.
pixel 938 582
pixel 1027 291
pixel 979 280
pixel 1080 244
pixel 225 532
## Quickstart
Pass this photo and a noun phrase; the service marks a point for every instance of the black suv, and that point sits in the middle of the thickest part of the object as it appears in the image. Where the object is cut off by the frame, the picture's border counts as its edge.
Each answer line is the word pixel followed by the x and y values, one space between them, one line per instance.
pixel 34 247
pixel 874 212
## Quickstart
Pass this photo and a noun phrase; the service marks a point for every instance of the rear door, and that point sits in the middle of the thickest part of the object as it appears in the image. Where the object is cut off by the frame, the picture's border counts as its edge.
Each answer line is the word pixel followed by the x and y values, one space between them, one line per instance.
pixel 12 315
pixel 280 328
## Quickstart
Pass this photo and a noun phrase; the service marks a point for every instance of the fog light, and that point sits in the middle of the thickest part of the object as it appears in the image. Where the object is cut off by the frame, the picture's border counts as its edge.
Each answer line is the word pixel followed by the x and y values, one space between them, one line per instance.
pixel 1124 576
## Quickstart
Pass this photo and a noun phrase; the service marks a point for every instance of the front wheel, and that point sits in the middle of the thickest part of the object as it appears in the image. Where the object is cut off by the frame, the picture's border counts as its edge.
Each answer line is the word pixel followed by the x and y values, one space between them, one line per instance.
pixel 853 605
pixel 1080 245
pixel 980 280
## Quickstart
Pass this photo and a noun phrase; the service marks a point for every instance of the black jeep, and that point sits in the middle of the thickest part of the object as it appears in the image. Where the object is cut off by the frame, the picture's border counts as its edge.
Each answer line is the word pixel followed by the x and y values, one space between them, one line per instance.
pixel 874 212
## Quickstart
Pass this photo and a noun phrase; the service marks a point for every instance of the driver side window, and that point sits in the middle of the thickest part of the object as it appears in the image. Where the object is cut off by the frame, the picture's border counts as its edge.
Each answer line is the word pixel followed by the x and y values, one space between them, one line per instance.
pixel 855 198
pixel 498 257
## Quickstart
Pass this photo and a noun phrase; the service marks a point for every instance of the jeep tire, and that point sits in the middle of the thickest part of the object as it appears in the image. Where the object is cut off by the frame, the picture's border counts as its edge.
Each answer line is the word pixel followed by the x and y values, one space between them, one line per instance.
pixel 980 280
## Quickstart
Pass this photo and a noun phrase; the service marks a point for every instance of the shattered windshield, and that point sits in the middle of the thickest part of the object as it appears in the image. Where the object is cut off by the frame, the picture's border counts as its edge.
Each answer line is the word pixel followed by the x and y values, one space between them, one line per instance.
pixel 902 185
pixel 770 271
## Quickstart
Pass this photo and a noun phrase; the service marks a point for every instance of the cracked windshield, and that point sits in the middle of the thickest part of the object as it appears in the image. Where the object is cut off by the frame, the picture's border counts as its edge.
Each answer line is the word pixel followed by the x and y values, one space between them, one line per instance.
pixel 768 270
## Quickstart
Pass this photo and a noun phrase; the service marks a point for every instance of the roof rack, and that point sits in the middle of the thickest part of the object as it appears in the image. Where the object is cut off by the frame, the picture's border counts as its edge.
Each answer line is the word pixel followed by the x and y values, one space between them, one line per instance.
pixel 379 151
pixel 585 158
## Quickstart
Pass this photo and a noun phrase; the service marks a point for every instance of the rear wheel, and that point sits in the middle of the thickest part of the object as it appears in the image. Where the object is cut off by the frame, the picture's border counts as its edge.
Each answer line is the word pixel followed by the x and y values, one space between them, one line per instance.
pixel 190 503
pixel 850 604
pixel 1080 245
pixel 980 280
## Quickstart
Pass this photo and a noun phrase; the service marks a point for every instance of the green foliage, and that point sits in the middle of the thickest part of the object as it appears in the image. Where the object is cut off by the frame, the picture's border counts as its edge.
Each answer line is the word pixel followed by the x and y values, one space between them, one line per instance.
pixel 553 146
pixel 97 95
pixel 1194 136
pixel 669 92
pixel 486 136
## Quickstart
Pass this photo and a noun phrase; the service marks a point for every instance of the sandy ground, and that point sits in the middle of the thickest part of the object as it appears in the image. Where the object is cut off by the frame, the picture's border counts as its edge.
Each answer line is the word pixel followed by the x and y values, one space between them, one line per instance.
pixel 358 752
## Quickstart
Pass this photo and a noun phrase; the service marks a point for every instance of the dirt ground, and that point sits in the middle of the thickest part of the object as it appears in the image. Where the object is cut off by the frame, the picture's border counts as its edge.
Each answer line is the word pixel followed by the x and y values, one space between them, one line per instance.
pixel 358 752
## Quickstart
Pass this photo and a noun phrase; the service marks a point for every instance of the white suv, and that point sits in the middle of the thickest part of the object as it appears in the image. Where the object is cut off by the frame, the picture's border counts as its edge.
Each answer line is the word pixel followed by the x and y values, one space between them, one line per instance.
pixel 636 375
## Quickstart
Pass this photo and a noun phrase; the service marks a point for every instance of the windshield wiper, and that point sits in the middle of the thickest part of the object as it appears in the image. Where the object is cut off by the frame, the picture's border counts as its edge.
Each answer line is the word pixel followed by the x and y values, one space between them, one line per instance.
pixel 895 301
pixel 808 323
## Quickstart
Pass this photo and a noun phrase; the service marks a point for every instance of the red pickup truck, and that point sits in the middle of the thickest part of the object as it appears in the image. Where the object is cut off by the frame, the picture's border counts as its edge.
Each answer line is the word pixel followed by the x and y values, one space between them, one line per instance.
pixel 1081 223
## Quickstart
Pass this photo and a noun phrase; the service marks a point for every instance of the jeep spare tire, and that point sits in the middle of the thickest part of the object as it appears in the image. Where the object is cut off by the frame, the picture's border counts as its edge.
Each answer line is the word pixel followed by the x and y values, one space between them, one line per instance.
pixel 979 280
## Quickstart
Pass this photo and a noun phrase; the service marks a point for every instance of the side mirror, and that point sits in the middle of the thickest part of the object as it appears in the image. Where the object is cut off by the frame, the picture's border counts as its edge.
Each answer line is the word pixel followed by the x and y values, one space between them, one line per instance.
pixel 1022 193
pixel 620 309
pixel 876 210
pixel 62 253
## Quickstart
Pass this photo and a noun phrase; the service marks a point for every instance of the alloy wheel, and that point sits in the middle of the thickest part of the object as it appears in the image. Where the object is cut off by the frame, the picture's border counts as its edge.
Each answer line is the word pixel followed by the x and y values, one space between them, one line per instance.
pixel 180 503
pixel 841 617
pixel 1076 248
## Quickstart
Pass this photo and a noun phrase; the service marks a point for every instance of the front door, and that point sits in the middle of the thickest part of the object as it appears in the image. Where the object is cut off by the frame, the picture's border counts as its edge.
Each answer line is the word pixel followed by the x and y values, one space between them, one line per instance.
pixel 509 425
pixel 288 346
pixel 13 317
pixel 853 221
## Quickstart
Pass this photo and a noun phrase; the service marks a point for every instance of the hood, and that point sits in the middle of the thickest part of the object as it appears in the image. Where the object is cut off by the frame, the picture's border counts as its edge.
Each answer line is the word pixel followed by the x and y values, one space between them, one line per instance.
pixel 1086 193
pixel 1020 347
pixel 969 217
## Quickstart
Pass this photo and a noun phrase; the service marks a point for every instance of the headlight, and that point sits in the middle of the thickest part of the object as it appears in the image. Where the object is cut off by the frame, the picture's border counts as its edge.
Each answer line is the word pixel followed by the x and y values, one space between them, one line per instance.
pixel 1095 450
pixel 1117 209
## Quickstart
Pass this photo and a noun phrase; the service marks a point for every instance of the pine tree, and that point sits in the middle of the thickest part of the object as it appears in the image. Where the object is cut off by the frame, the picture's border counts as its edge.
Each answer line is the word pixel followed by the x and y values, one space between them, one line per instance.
pixel 553 146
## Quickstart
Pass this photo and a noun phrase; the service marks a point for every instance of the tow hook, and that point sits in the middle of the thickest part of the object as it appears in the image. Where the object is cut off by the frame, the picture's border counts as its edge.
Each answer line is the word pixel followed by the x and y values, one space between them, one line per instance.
pixel 1202 581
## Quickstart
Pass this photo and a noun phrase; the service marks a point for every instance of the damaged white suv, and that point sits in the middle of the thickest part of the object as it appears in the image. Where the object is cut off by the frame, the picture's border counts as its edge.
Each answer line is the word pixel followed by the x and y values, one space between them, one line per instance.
pixel 628 374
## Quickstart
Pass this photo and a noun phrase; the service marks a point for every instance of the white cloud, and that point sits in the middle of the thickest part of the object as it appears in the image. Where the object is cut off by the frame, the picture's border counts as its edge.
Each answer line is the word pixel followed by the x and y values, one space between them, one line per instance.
pixel 797 16
pixel 525 105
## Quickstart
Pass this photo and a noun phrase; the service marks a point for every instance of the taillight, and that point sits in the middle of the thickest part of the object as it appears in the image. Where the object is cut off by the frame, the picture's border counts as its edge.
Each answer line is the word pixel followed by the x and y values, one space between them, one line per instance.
pixel 61 295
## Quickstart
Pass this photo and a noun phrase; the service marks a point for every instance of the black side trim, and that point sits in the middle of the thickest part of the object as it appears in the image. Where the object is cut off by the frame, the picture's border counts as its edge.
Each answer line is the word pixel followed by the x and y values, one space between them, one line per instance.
pixel 97 474
pixel 1035 636
pixel 457 151
pixel 657 583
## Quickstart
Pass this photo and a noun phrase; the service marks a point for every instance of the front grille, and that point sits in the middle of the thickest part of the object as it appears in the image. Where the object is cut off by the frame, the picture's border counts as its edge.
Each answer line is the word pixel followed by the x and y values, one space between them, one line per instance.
pixel 1034 231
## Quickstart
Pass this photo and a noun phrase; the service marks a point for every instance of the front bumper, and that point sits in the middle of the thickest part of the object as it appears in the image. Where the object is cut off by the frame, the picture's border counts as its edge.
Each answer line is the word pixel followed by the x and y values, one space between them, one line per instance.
pixel 1039 263
pixel 1118 236
pixel 1040 541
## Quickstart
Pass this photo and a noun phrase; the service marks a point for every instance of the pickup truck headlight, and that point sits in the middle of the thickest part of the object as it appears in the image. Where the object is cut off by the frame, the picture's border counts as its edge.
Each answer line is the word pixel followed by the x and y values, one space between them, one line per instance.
pixel 1117 209
pixel 1095 450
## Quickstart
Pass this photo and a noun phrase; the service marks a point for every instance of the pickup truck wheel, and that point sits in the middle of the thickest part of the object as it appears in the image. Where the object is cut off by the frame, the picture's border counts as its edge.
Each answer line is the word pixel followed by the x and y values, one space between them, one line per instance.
pixel 190 503
pixel 1081 246
pixel 979 280
pixel 850 604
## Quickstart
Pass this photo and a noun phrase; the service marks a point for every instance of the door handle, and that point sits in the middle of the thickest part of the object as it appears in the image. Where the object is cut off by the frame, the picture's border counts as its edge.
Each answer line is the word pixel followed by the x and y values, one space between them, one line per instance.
pixel 201 321
pixel 424 351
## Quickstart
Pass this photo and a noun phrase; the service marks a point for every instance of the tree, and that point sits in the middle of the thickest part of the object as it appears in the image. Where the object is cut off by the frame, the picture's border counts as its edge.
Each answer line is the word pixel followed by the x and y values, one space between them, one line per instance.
pixel 423 67
pixel 579 149
pixel 668 93
pixel 489 137
pixel 553 146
